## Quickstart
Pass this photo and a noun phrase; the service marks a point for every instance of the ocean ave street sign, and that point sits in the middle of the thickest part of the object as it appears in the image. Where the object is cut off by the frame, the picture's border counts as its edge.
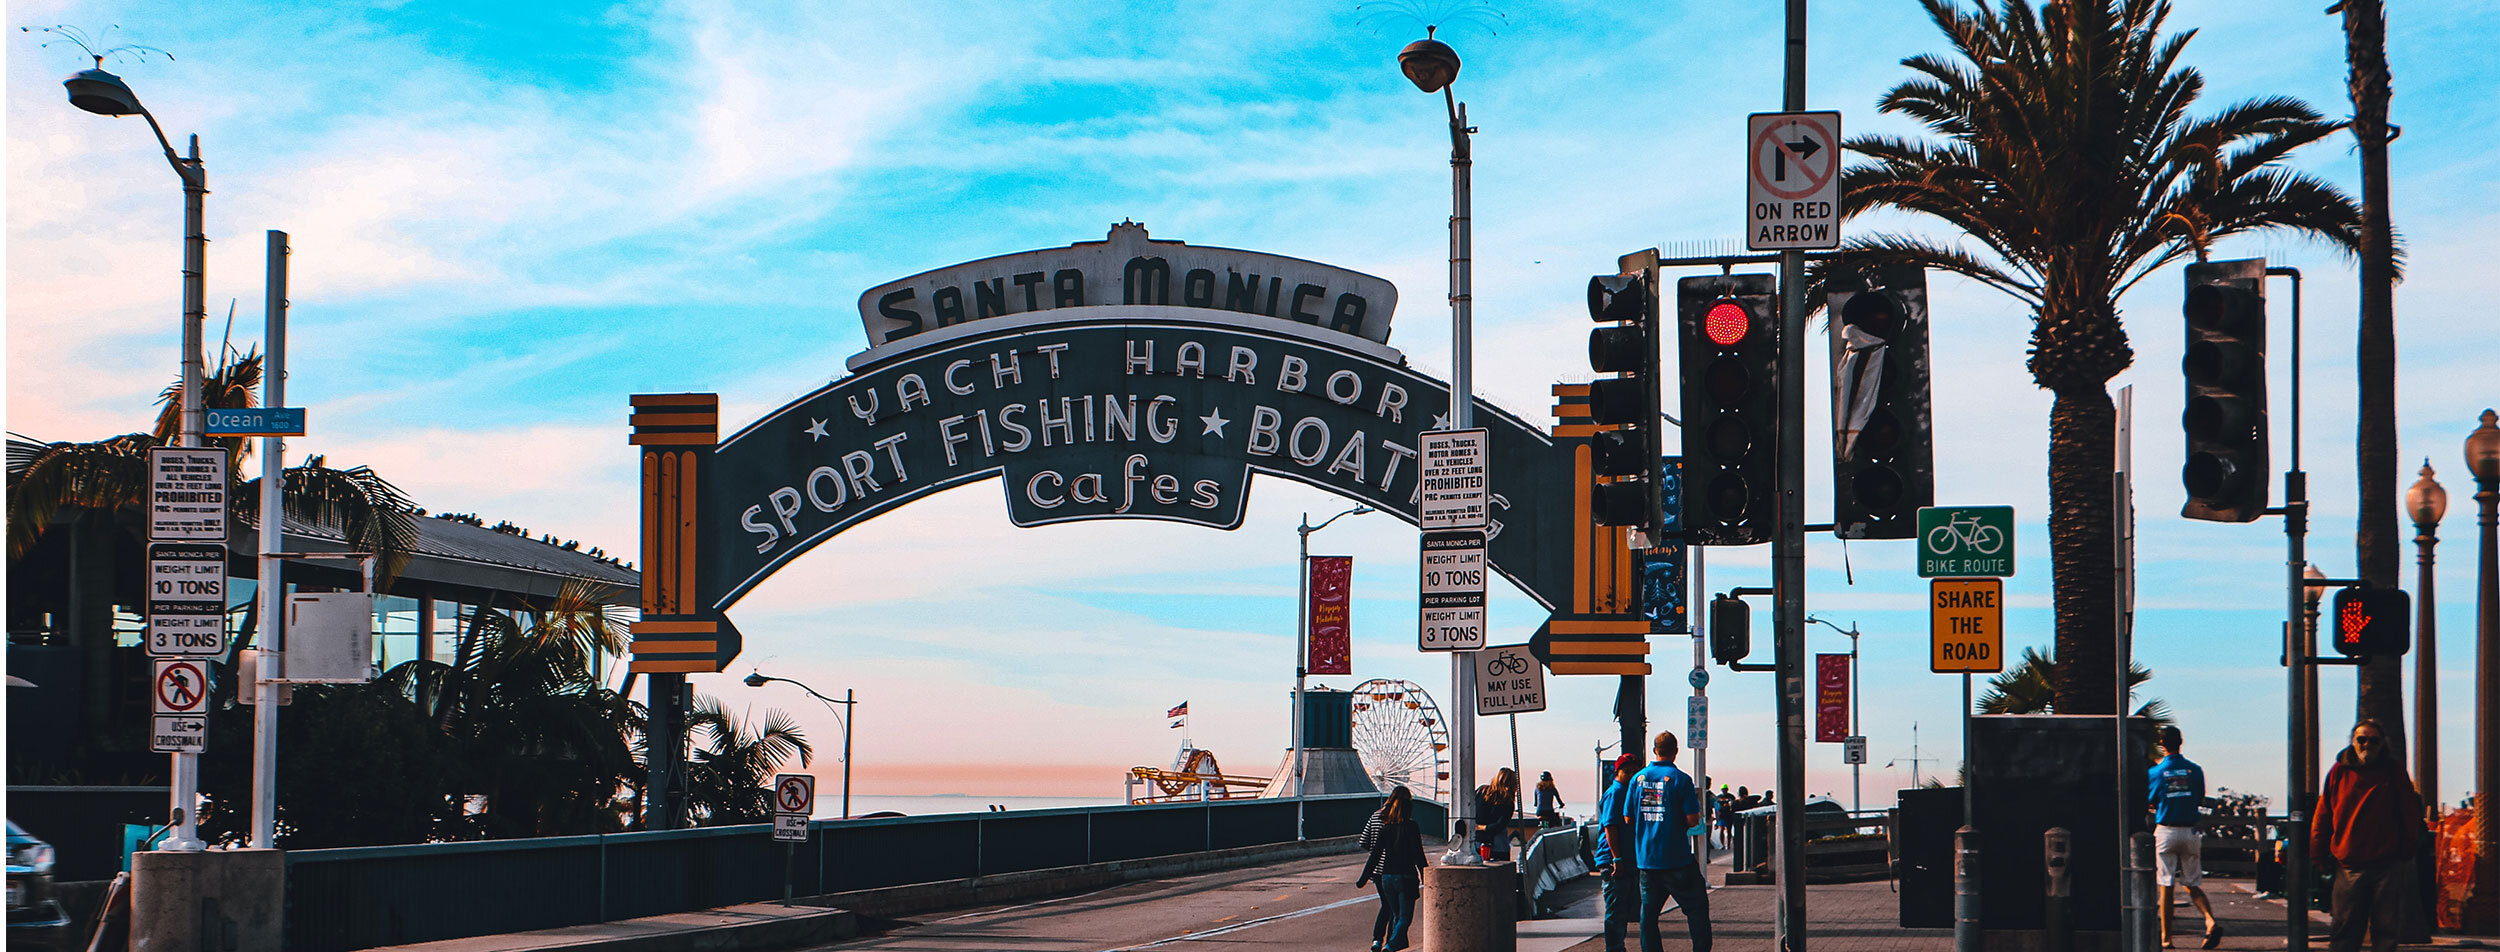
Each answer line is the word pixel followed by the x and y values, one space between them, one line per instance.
pixel 1456 491
pixel 256 421
pixel 1966 625
pixel 186 598
pixel 1792 180
pixel 186 494
pixel 1509 681
pixel 1453 584
pixel 1965 541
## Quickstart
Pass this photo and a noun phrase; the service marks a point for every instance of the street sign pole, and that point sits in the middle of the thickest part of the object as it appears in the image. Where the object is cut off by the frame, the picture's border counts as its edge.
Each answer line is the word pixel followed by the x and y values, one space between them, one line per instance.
pixel 271 583
pixel 1789 561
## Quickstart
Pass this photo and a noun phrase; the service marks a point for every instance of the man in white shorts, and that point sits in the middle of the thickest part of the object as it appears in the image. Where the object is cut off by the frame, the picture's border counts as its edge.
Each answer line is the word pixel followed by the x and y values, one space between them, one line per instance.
pixel 2178 804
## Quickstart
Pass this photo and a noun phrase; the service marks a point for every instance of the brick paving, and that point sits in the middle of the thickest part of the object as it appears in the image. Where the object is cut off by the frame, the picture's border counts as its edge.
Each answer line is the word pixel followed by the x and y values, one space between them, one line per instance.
pixel 1864 917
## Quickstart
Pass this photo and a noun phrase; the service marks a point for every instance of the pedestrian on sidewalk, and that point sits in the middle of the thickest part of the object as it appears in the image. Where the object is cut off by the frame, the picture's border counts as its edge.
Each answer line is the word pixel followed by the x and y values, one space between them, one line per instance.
pixel 1497 803
pixel 2178 802
pixel 1665 810
pixel 1619 876
pixel 1396 866
pixel 1549 801
pixel 2363 831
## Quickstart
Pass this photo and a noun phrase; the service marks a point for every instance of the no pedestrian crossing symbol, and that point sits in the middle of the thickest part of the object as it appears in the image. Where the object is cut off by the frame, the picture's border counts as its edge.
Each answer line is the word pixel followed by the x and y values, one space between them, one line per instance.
pixel 1792 180
pixel 794 798
pixel 1966 622
pixel 1964 541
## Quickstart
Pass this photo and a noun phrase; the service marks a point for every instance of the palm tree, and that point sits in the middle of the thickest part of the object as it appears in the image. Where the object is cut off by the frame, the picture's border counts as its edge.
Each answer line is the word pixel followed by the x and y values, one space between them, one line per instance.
pixel 2065 152
pixel 545 746
pixel 729 778
pixel 2031 688
pixel 2378 548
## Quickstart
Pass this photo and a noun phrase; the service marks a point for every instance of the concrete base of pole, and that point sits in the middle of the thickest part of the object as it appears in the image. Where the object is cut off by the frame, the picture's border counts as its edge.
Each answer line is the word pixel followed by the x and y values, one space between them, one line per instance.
pixel 1967 936
pixel 211 901
pixel 1467 909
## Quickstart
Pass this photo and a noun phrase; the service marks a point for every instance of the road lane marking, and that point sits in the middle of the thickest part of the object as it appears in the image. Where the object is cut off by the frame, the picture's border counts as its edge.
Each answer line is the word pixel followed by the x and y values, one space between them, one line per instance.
pixel 1212 933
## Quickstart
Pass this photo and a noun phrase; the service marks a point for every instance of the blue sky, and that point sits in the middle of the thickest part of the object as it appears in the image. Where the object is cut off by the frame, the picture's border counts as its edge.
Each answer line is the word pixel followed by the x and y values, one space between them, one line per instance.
pixel 507 217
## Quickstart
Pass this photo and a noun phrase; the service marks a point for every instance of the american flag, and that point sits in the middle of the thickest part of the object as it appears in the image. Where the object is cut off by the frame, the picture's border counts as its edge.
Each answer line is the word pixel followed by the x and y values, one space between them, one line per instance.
pixel 1178 710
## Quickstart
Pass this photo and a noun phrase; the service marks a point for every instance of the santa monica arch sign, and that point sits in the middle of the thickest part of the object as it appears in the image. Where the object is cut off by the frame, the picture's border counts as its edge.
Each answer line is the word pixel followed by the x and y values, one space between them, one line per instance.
pixel 1128 378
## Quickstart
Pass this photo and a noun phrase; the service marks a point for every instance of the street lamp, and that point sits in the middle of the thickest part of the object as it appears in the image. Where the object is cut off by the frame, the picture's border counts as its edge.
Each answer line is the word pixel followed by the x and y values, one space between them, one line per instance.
pixel 104 94
pixel 840 715
pixel 2310 593
pixel 1302 648
pixel 2482 459
pixel 1432 66
pixel 1852 632
pixel 2426 501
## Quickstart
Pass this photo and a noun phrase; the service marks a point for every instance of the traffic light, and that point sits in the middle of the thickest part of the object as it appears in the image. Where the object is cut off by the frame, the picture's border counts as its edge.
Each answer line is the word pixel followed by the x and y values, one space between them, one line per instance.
pixel 1883 434
pixel 1729 338
pixel 1662 567
pixel 2226 390
pixel 2373 622
pixel 1731 629
pixel 1624 452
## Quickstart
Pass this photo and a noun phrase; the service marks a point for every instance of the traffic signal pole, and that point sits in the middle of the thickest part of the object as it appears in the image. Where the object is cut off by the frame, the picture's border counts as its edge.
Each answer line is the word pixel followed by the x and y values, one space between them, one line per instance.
pixel 1788 561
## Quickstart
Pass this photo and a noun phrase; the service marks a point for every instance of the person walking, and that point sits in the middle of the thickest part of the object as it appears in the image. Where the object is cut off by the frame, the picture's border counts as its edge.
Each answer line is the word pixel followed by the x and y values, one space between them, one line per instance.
pixel 1396 866
pixel 1497 803
pixel 1621 879
pixel 1549 801
pixel 2363 831
pixel 1664 809
pixel 2177 801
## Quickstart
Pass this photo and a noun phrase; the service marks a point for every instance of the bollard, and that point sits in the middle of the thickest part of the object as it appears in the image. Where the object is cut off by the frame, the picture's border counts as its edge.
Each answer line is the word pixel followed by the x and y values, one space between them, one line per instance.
pixel 2056 845
pixel 1967 936
pixel 2138 926
pixel 1466 909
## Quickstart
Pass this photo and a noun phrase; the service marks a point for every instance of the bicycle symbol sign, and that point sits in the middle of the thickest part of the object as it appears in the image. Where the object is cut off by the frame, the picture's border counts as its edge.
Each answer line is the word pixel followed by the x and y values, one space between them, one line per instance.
pixel 1509 681
pixel 1965 541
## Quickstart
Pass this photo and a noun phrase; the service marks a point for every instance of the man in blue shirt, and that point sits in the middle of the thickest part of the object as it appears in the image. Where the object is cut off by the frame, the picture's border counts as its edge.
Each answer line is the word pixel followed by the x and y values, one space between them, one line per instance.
pixel 1664 809
pixel 1615 861
pixel 2177 800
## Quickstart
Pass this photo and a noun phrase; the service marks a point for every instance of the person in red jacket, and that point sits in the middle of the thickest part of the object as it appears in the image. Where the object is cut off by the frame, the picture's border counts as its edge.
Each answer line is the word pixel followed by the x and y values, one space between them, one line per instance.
pixel 2363 831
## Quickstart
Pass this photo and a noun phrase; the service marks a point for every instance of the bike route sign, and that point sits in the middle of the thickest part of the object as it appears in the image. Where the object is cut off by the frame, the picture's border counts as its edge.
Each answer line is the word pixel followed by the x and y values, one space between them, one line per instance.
pixel 1509 681
pixel 1965 541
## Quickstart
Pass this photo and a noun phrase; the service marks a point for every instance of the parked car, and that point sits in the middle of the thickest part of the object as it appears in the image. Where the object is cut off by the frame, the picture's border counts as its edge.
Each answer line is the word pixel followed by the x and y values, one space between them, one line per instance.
pixel 36 920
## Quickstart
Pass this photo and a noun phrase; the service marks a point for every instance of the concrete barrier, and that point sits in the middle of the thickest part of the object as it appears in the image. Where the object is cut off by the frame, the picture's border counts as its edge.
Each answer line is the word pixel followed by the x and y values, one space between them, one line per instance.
pixel 208 901
pixel 893 901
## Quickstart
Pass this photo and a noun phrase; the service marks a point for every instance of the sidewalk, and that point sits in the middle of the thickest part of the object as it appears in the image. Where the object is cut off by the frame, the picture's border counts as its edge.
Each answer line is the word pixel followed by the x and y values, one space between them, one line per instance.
pixel 1865 917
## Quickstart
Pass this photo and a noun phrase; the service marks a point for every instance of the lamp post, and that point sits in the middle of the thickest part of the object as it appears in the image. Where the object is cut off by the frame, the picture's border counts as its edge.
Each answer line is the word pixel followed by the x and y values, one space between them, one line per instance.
pixel 2482 460
pixel 840 715
pixel 1302 647
pixel 104 94
pixel 2310 593
pixel 2426 501
pixel 1852 632
pixel 1432 66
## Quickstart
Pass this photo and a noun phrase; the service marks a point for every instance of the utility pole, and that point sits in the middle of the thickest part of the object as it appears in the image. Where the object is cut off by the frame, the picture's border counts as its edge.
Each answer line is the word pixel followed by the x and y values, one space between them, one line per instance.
pixel 1789 558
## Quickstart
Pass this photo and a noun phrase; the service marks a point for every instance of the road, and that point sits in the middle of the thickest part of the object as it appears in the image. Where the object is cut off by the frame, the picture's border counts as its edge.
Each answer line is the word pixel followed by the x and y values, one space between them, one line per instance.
pixel 1291 907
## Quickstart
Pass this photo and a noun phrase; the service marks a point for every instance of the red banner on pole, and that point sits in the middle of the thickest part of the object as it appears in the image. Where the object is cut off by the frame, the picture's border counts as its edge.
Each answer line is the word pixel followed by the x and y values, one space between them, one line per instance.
pixel 1831 698
pixel 1332 631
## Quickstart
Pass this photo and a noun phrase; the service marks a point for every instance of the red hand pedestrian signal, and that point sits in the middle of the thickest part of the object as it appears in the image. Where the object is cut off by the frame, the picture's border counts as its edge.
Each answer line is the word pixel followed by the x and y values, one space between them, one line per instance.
pixel 2373 622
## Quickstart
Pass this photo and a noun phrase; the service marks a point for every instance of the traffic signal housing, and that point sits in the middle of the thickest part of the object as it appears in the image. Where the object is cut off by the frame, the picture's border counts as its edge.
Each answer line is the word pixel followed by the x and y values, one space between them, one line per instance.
pixel 1728 338
pixel 1662 566
pixel 1883 431
pixel 1624 405
pixel 1731 629
pixel 2373 622
pixel 2225 367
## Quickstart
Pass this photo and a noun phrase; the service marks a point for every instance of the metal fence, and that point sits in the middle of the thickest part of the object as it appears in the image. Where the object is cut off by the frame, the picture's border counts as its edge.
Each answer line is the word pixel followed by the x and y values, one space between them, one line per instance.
pixel 1839 846
pixel 356 898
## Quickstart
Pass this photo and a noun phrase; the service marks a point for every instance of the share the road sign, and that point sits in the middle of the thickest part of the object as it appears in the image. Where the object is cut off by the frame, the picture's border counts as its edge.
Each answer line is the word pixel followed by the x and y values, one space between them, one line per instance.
pixel 1966 625
pixel 1792 180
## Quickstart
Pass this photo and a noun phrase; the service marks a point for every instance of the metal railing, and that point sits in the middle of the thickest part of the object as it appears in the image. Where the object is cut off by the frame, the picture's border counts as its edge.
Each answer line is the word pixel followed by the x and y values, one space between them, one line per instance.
pixel 361 897
pixel 1839 846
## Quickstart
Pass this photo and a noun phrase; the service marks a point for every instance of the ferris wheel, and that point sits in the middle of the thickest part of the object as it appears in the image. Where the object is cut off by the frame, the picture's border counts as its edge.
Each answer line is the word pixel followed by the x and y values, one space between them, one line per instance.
pixel 1399 733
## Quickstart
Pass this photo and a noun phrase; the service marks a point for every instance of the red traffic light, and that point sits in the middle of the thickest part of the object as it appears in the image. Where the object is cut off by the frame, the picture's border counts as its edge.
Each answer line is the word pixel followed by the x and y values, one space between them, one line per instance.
pixel 1726 323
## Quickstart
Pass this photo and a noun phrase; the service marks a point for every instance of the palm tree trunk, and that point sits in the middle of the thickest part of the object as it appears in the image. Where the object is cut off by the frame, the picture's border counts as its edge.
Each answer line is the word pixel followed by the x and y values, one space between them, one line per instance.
pixel 2082 451
pixel 2378 546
